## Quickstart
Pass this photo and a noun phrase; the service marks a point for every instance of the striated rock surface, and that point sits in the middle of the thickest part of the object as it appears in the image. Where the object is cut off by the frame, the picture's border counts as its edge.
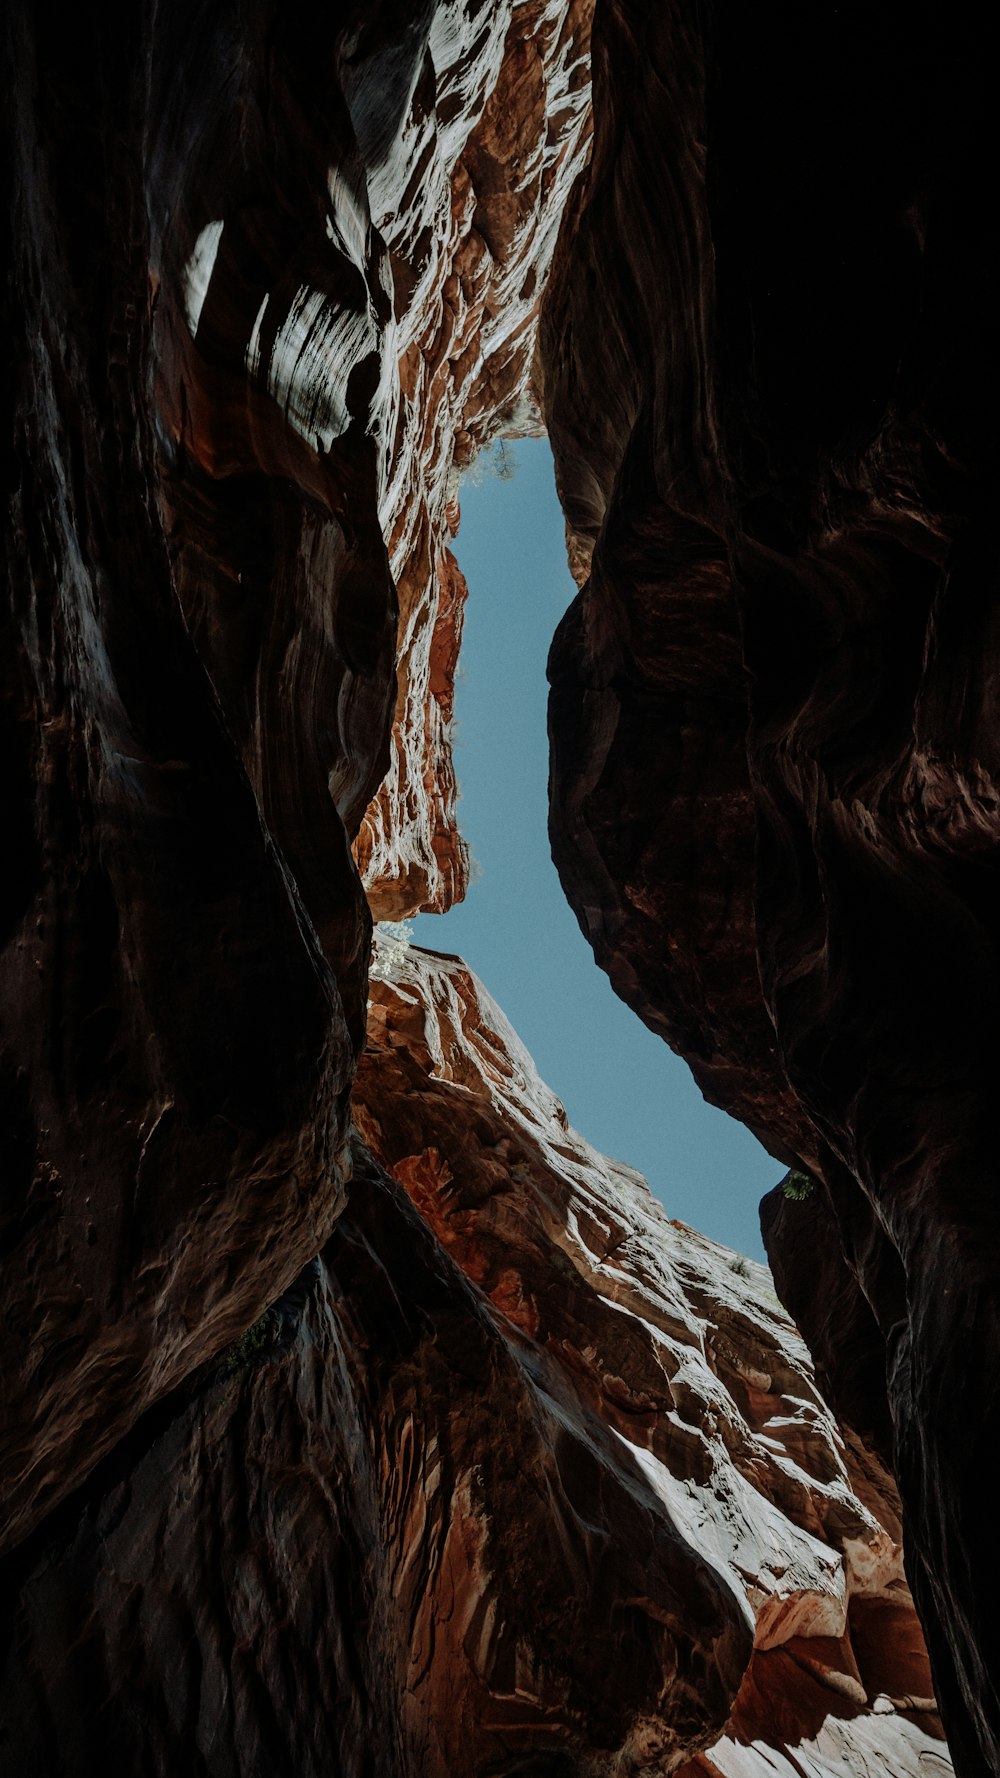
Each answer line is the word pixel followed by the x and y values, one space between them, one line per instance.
pixel 493 147
pixel 492 1469
pixel 527 1478
pixel 263 293
pixel 769 374
pixel 683 1350
pixel 175 1049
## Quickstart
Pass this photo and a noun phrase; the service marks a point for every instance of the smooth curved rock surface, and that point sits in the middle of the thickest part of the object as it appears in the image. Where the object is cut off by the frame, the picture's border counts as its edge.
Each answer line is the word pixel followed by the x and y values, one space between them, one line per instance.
pixel 266 290
pixel 768 361
pixel 176 1049
pixel 515 1478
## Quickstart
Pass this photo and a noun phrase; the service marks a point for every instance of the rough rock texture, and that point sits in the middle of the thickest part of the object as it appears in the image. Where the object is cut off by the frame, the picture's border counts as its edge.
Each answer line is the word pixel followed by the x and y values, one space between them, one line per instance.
pixel 492 163
pixel 513 1477
pixel 264 269
pixel 565 1465
pixel 769 372
pixel 683 1350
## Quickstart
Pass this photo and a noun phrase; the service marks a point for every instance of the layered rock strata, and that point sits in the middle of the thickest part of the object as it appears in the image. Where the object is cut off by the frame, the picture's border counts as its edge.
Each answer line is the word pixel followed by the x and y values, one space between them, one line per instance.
pixel 684 1351
pixel 493 1470
pixel 526 1478
pixel 774 790
pixel 490 167
pixel 269 275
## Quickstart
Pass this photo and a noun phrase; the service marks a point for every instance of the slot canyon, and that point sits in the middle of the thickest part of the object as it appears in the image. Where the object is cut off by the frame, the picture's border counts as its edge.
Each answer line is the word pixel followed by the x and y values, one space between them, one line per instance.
pixel 360 1419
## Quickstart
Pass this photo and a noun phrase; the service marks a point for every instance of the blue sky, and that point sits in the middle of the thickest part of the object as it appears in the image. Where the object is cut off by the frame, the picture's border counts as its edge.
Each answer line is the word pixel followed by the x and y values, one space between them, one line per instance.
pixel 622 1087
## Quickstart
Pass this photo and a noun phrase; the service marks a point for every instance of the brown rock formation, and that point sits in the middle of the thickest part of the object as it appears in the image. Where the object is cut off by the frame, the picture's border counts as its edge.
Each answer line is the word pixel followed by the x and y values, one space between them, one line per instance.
pixel 470 245
pixel 682 1349
pixel 176 1051
pixel 513 1477
pixel 774 787
pixel 537 1482
pixel 255 292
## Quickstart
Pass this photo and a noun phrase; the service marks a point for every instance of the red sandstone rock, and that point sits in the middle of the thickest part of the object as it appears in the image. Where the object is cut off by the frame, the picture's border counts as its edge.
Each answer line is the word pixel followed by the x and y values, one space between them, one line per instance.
pixel 683 1350
pixel 542 1478
pixel 541 1482
pixel 470 243
pixel 255 294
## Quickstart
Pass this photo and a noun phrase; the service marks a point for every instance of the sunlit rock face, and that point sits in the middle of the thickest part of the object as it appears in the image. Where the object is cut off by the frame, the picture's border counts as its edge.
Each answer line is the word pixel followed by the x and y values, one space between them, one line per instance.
pixel 492 147
pixel 526 1478
pixel 768 361
pixel 491 1470
pixel 637 1324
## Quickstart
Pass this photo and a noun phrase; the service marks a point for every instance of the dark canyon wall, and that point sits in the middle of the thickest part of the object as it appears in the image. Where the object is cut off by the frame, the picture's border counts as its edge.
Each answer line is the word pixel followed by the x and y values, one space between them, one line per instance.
pixel 402 1435
pixel 520 1478
pixel 230 387
pixel 774 791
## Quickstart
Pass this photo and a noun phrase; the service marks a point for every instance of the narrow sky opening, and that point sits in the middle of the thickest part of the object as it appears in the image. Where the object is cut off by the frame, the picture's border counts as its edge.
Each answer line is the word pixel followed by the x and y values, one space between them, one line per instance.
pixel 622 1087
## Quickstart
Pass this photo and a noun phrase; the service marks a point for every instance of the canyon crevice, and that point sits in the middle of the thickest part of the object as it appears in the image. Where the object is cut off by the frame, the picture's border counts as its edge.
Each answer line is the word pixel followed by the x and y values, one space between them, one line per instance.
pixel 358 1416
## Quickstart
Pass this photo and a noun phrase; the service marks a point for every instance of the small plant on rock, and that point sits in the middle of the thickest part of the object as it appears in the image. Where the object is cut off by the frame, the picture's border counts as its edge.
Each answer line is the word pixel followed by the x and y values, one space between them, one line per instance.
pixel 797 1186
pixel 259 1335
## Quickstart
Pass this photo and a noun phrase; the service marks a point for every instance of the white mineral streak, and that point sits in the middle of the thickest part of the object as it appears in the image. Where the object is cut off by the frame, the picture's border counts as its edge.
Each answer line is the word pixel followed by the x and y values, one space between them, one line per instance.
pixel 198 273
pixel 747 1459
pixel 313 335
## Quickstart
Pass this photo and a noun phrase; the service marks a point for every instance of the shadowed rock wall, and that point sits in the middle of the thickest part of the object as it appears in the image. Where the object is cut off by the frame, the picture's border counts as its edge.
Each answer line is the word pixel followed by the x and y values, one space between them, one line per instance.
pixel 522 1477
pixel 512 1476
pixel 264 269
pixel 774 790
pixel 177 1051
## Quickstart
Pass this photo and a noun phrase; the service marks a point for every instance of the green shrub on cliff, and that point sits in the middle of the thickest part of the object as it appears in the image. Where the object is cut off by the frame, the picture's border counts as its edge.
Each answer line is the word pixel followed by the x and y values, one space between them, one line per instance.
pixel 797 1186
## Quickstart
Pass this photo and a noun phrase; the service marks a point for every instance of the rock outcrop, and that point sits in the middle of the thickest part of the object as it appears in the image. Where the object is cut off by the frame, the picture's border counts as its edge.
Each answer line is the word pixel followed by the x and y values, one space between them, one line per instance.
pixel 774 791
pixel 264 293
pixel 488 1468
pixel 524 1478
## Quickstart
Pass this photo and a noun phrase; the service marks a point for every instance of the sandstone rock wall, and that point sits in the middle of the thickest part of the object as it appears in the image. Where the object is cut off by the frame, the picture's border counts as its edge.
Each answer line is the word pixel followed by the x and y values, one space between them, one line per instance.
pixel 525 1478
pixel 266 284
pixel 176 1049
pixel 774 789
pixel 513 1476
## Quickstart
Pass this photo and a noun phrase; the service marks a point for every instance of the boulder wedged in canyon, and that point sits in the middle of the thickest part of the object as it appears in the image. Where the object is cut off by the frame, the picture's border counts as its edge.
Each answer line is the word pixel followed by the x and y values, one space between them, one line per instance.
pixel 768 363
pixel 562 1459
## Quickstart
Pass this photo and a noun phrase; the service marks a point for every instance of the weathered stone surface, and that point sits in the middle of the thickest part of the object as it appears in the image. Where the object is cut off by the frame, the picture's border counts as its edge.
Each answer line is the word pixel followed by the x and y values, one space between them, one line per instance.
pixel 400 1550
pixel 495 145
pixel 542 1483
pixel 263 292
pixel 176 1052
pixel 768 361
pixel 684 1351
pixel 652 819
pixel 822 1293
